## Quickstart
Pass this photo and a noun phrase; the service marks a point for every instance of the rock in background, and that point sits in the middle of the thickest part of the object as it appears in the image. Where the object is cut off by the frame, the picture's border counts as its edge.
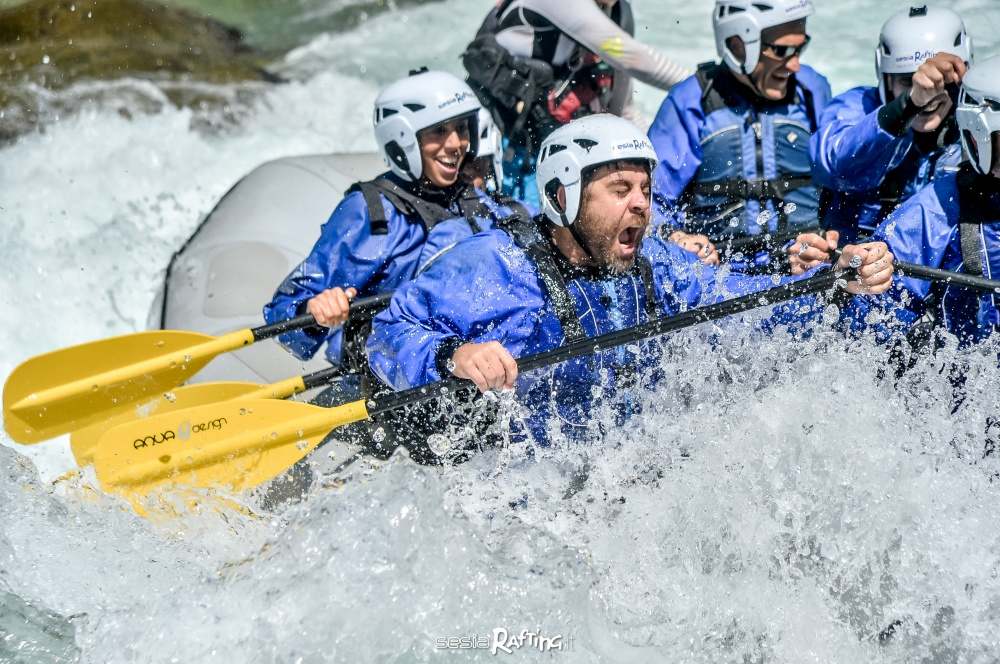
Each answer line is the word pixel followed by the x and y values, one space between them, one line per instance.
pixel 53 53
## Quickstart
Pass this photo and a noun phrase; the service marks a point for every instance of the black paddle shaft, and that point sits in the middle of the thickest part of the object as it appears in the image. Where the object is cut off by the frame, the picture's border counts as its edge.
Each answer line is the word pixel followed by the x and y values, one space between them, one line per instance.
pixel 364 306
pixel 948 277
pixel 653 328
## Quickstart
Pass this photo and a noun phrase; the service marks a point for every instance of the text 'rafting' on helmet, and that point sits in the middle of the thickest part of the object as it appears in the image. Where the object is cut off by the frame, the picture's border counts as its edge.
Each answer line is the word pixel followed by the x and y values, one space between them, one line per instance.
pixel 573 149
pixel 913 35
pixel 422 100
pixel 747 19
pixel 978 112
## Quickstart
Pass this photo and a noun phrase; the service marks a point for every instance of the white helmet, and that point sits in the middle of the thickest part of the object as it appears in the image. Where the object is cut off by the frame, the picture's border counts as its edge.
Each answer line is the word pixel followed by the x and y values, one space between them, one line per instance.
pixel 582 144
pixel 422 100
pixel 746 19
pixel 913 35
pixel 491 144
pixel 978 112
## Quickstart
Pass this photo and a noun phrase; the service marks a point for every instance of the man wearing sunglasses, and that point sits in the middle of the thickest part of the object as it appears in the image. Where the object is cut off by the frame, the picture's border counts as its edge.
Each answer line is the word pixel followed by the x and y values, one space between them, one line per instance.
pixel 733 140
pixel 878 145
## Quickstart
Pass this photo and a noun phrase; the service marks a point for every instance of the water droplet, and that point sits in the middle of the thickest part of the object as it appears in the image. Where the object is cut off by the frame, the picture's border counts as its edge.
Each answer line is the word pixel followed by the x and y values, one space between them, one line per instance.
pixel 790 208
pixel 46 60
pixel 378 435
pixel 95 388
pixel 274 435
pixel 170 396
pixel 160 344
pixel 165 458
pixel 734 222
pixel 439 444
pixel 187 359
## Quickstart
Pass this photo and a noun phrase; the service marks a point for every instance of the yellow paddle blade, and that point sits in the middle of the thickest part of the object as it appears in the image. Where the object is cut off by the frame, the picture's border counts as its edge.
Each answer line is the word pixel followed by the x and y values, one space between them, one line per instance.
pixel 83 441
pixel 57 392
pixel 234 445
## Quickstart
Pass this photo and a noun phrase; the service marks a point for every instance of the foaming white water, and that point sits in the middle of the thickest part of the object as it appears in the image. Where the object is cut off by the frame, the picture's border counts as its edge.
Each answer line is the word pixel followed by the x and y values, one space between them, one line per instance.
pixel 776 503
pixel 763 509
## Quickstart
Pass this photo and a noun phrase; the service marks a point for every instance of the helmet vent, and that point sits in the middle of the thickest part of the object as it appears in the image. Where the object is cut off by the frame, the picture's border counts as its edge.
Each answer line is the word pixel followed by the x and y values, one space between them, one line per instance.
pixel 958 39
pixel 386 112
pixel 762 7
pixel 415 107
pixel 735 10
pixel 585 143
pixel 918 11
pixel 555 148
pixel 418 71
pixel 885 48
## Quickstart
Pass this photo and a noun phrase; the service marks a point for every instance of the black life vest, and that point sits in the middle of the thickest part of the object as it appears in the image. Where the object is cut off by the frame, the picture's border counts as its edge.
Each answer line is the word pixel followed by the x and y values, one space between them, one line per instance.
pixel 514 88
pixel 554 271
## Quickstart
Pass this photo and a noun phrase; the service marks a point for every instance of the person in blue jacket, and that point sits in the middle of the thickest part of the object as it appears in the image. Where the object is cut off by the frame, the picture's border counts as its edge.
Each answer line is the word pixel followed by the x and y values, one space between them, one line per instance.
pixel 580 269
pixel 953 223
pixel 878 145
pixel 733 140
pixel 385 230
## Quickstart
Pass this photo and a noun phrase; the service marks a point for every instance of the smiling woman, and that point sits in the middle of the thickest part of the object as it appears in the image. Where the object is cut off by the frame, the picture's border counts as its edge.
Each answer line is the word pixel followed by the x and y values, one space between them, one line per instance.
pixel 443 148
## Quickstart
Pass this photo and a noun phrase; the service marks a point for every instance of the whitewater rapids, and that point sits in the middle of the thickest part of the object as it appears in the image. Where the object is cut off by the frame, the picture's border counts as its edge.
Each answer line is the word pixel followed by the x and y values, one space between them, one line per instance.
pixel 777 502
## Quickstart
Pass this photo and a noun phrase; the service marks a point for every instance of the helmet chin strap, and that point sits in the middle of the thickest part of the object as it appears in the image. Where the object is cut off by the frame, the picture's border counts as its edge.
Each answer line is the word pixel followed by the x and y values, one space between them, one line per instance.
pixel 750 81
pixel 574 230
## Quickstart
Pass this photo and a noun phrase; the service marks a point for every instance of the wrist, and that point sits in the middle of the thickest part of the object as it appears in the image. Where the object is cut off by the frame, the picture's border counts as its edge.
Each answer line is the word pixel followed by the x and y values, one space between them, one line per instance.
pixel 895 117
pixel 444 353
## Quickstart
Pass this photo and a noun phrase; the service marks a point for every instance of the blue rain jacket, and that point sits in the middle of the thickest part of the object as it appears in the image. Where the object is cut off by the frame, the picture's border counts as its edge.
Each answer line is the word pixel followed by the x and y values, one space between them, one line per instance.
pixel 349 254
pixel 925 230
pixel 741 140
pixel 489 290
pixel 853 155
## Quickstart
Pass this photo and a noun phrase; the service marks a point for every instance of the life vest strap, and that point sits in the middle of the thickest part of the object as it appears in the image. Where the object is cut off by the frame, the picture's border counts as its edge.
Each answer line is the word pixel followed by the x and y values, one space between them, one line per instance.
pixel 541 253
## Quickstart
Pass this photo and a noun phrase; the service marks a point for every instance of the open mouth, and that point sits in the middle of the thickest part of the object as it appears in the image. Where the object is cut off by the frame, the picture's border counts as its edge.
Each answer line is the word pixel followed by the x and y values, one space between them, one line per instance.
pixel 630 238
pixel 448 164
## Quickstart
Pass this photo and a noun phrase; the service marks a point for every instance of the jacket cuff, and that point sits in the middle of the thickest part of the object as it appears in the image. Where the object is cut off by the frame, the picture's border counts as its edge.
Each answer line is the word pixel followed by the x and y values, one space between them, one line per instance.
pixel 445 350
pixel 895 117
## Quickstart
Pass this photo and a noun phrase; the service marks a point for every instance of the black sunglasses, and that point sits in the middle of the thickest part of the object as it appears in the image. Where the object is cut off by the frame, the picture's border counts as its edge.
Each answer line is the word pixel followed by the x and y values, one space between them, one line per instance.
pixel 782 52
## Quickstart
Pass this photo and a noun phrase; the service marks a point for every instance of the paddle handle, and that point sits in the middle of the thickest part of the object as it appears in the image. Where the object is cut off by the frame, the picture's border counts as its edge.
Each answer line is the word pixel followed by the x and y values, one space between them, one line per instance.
pixel 320 378
pixel 948 277
pixel 816 284
pixel 364 306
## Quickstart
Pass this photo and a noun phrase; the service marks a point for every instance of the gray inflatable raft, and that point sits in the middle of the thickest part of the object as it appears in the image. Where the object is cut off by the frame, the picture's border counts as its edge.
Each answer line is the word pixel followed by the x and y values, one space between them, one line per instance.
pixel 229 268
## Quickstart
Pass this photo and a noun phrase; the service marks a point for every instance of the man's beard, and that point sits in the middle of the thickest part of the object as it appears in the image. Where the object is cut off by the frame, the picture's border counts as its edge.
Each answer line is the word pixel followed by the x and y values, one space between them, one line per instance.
pixel 599 244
